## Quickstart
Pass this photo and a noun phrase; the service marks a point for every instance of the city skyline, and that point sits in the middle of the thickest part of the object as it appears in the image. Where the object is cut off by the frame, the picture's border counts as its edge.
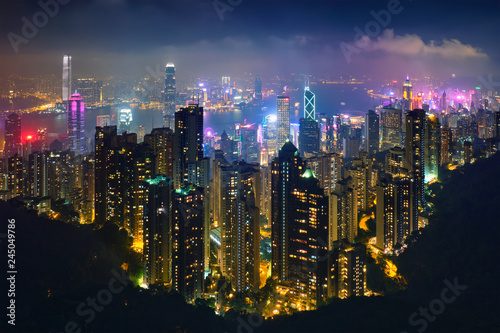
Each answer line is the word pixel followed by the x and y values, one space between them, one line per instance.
pixel 258 166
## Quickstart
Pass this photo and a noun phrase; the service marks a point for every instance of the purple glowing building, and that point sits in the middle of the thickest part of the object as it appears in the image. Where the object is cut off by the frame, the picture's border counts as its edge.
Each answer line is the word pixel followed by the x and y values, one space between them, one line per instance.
pixel 76 139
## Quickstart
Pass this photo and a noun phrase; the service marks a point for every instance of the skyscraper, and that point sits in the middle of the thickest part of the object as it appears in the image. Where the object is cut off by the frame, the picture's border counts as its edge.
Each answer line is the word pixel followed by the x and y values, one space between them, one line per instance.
pixel 343 222
pixel 161 140
pixel 76 124
pixel 432 151
pixel 395 214
pixel 407 95
pixel 12 135
pixel 125 119
pixel 394 162
pixel 283 121
pixel 66 78
pixel 327 168
pixel 391 128
pixel 188 146
pixel 444 105
pixel 157 228
pixel 236 210
pixel 121 166
pixel 446 140
pixel 308 136
pixel 285 172
pixel 347 266
pixel 170 91
pixel 308 242
pixel 309 103
pixel 372 128
pixel 497 125
pixel 258 88
pixel 250 146
pixel 16 181
pixel 38 174
pixel 188 242
pixel 415 151
pixel 350 148
pixel 360 172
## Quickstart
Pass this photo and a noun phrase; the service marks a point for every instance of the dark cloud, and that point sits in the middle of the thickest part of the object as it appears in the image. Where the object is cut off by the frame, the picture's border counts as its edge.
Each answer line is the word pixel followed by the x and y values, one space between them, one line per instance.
pixel 123 37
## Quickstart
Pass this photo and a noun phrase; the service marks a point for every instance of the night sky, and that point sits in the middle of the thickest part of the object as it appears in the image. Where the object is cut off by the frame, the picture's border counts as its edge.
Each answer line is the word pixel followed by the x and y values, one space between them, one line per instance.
pixel 123 37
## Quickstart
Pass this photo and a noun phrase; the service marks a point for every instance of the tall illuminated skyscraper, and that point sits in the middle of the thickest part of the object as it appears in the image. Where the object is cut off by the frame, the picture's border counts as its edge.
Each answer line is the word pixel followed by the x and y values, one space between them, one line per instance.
pixel 226 83
pixel 283 121
pixel 391 120
pixel 327 168
pixel 66 78
pixel 285 172
pixel 395 215
pixel 76 126
pixel 308 242
pixel 308 136
pixel 161 140
pixel 258 88
pixel 38 174
pixel 407 95
pixel 432 148
pixel 170 91
pixel 237 192
pixel 372 128
pixel 343 212
pixel 347 270
pixel 415 151
pixel 309 103
pixel 16 181
pixel 188 147
pixel 188 242
pixel 12 135
pixel 121 167
pixel 125 120
pixel 157 226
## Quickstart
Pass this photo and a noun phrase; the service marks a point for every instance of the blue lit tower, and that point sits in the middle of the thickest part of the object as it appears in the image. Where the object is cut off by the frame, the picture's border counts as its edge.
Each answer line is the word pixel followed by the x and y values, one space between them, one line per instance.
pixel 309 129
pixel 309 103
pixel 169 112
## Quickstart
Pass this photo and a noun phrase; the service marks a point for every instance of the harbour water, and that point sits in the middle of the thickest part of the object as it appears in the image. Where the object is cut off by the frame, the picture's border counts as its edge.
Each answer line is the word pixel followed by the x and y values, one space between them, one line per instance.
pixel 330 99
